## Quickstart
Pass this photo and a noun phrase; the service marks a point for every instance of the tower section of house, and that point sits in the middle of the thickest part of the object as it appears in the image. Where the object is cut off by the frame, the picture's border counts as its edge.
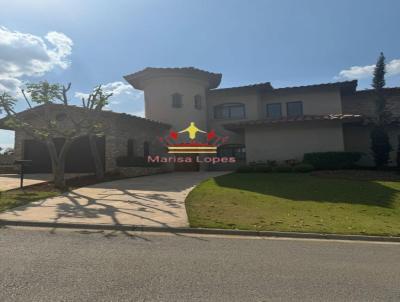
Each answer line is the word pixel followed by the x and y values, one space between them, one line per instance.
pixel 176 96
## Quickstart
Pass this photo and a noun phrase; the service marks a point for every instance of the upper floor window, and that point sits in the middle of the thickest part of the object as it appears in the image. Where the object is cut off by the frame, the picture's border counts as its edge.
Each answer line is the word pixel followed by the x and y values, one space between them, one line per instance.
pixel 227 111
pixel 274 110
pixel 177 100
pixel 294 108
pixel 197 101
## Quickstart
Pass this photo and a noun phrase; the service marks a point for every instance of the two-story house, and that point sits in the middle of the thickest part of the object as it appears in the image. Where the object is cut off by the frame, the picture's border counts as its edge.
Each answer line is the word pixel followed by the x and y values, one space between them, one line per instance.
pixel 263 122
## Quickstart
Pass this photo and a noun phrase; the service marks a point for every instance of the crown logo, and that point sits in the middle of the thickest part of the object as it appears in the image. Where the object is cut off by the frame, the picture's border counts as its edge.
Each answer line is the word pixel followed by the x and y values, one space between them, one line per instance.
pixel 193 140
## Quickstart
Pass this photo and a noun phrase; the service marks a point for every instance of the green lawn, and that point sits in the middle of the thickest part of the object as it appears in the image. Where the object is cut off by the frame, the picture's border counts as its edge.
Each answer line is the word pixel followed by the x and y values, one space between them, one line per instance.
pixel 15 198
pixel 296 202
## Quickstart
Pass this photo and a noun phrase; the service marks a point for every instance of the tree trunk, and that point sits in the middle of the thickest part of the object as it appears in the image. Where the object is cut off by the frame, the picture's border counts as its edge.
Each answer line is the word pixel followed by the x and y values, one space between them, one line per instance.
pixel 59 176
pixel 58 162
pixel 96 157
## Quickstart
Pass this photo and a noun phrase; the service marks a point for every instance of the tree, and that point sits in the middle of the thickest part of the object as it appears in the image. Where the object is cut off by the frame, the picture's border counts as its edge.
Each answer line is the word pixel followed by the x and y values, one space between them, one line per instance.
pixel 42 97
pixel 8 151
pixel 380 144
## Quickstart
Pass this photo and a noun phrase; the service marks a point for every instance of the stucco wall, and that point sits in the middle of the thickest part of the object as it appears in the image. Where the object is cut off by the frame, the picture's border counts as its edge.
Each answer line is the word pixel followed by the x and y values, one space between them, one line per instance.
pixel 315 102
pixel 291 141
pixel 251 101
pixel 158 101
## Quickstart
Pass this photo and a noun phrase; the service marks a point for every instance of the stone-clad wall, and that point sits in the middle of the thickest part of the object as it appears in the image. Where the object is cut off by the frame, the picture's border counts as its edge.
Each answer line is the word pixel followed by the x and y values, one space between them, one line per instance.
pixel 6 159
pixel 357 136
pixel 118 129
pixel 363 102
pixel 139 131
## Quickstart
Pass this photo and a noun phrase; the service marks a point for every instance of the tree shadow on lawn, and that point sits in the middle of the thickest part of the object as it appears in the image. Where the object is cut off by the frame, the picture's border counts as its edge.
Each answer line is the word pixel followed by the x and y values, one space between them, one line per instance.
pixel 304 187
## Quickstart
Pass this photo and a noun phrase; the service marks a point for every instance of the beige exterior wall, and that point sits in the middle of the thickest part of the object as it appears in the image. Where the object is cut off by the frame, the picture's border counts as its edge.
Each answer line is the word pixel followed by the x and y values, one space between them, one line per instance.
pixel 158 101
pixel 291 141
pixel 318 102
pixel 251 102
pixel 315 102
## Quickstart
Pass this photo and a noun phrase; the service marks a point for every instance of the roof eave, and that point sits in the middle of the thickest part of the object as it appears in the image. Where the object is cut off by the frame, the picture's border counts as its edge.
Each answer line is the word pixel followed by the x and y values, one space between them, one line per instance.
pixel 136 79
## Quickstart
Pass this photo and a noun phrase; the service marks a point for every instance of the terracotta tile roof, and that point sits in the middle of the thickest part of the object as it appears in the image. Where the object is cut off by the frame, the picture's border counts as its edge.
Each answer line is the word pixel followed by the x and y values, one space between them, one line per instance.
pixel 259 86
pixel 135 79
pixel 292 119
pixel 388 90
pixel 346 85
pixel 104 113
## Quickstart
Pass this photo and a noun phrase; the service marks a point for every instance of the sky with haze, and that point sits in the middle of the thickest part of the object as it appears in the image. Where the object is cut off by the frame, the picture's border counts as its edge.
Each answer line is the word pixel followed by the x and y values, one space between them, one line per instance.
pixel 287 43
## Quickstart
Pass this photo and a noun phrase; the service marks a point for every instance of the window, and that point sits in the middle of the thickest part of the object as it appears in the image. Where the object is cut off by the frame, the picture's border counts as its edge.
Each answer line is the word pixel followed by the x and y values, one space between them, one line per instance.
pixel 130 148
pixel 229 111
pixel 294 108
pixel 146 149
pixel 237 151
pixel 197 101
pixel 177 100
pixel 274 110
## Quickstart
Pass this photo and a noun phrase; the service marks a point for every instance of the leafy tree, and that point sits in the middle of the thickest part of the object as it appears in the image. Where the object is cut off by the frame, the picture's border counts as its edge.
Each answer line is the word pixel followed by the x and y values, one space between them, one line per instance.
pixel 8 151
pixel 380 144
pixel 41 97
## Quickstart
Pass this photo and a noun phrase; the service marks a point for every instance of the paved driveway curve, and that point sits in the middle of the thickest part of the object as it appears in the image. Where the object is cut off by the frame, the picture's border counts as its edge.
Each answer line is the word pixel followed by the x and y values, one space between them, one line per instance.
pixel 12 181
pixel 156 200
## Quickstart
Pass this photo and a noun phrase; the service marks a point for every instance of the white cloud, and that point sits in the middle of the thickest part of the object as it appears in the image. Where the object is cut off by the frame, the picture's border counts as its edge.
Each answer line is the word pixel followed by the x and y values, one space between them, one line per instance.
pixel 27 55
pixel 362 72
pixel 10 85
pixel 122 94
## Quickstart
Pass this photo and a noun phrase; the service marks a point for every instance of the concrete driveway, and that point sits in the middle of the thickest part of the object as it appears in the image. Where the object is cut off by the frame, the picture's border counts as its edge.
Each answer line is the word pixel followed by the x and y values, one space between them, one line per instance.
pixel 11 181
pixel 156 200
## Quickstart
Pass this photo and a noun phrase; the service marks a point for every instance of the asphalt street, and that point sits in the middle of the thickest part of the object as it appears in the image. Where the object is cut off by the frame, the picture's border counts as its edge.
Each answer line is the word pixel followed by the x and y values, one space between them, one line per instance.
pixel 74 265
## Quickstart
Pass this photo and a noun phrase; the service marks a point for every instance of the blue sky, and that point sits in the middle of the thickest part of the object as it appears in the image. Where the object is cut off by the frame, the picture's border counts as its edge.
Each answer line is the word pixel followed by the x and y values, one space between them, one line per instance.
pixel 285 42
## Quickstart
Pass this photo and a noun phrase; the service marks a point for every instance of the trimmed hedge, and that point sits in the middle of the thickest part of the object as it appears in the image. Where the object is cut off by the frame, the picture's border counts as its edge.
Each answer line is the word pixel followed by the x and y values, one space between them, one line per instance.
pixel 283 169
pixel 303 168
pixel 245 169
pixel 332 160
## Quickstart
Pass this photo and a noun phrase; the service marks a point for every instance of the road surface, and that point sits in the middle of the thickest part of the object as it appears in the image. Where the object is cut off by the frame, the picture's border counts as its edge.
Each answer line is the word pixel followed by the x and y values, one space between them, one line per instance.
pixel 74 265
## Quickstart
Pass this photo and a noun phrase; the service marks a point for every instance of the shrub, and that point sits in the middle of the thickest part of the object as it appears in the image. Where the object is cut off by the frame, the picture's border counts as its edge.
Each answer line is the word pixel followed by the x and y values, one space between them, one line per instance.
pixel 262 168
pixel 380 146
pixel 332 160
pixel 272 163
pixel 135 161
pixel 292 162
pixel 303 168
pixel 245 169
pixel 283 169
pixel 254 168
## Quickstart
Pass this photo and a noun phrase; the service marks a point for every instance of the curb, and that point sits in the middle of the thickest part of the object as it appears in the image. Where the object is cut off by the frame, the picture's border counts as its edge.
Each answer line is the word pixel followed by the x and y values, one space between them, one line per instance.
pixel 202 231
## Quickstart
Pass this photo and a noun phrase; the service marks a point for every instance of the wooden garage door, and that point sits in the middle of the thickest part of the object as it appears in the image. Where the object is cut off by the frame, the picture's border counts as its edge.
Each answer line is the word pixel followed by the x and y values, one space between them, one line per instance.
pixel 79 158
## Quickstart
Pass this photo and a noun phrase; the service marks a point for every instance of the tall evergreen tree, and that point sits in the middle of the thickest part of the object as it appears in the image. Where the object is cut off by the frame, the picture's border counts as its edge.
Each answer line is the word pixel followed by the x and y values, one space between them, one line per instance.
pixel 378 82
pixel 380 144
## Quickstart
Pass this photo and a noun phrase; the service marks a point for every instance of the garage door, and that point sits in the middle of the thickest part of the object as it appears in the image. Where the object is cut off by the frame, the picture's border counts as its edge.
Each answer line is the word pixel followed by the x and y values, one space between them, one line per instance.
pixel 79 158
